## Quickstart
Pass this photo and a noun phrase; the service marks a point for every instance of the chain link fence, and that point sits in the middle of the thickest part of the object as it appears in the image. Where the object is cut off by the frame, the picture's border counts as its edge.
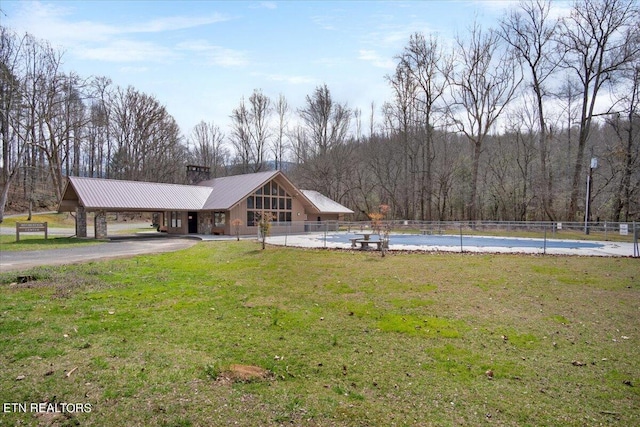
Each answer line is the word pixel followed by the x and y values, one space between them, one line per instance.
pixel 627 232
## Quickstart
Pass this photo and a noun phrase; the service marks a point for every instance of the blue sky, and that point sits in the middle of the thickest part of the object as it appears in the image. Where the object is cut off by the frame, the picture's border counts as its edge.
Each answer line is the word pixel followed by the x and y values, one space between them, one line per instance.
pixel 198 58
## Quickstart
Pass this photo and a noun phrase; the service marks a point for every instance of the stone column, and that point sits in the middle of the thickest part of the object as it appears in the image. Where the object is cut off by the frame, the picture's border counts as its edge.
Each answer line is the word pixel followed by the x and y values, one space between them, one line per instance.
pixel 101 225
pixel 81 222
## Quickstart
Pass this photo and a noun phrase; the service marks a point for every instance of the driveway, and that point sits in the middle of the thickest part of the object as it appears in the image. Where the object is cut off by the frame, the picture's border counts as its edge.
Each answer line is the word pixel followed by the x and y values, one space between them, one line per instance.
pixel 116 248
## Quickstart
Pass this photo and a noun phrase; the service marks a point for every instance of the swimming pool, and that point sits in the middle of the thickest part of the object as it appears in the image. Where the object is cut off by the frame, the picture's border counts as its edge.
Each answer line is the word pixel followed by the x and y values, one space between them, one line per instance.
pixel 470 241
pixel 453 243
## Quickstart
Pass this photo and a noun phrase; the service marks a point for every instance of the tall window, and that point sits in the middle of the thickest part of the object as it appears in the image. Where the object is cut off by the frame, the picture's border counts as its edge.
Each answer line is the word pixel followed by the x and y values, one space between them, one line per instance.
pixel 176 220
pixel 271 198
pixel 219 219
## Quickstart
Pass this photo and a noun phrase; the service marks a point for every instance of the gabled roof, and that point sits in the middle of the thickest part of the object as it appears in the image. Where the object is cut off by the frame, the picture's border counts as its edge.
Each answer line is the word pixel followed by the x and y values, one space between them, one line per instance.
pixel 230 190
pixel 215 194
pixel 324 204
pixel 111 194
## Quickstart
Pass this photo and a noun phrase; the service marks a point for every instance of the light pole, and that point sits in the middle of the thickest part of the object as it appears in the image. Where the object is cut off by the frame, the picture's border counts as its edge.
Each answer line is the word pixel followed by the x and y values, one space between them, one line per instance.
pixel 594 164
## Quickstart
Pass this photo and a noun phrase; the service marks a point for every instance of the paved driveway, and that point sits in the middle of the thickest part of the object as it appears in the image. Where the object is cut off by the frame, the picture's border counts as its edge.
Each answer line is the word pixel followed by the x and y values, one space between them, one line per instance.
pixel 118 248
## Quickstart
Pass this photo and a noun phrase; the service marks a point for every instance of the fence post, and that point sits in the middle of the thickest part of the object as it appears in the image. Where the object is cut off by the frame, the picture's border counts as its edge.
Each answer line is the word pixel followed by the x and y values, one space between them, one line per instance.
pixel 461 249
pixel 544 251
pixel 636 251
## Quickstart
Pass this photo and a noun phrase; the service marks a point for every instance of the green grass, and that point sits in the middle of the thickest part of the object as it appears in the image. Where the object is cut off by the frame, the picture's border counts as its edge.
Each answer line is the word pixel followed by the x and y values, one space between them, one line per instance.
pixel 350 339
pixel 35 242
pixel 62 220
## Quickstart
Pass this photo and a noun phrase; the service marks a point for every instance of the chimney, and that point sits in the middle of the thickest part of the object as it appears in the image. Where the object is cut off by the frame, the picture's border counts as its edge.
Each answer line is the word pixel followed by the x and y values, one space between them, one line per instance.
pixel 197 174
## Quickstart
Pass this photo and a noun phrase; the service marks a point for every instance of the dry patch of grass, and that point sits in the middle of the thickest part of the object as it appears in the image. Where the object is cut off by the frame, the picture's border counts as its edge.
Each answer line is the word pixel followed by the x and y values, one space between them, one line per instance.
pixel 243 373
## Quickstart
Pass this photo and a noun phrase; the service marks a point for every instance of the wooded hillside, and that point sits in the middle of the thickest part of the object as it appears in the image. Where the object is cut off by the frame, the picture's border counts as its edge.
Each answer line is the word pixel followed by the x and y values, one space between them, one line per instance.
pixel 502 125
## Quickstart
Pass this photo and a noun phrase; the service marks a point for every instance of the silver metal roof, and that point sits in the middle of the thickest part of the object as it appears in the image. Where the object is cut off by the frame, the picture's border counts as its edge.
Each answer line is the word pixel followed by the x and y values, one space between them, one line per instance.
pixel 96 193
pixel 325 204
pixel 229 190
pixel 215 194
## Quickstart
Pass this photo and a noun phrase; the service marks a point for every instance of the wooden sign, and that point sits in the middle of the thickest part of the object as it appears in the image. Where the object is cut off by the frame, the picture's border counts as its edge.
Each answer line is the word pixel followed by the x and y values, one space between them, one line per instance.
pixel 31 227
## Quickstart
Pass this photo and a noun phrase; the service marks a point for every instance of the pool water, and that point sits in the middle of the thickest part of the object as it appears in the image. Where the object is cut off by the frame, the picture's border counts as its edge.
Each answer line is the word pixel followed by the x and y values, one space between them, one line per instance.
pixel 477 241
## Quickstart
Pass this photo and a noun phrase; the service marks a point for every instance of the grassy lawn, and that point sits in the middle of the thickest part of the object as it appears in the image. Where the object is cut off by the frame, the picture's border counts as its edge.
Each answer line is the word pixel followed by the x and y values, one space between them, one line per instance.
pixel 37 242
pixel 61 220
pixel 333 338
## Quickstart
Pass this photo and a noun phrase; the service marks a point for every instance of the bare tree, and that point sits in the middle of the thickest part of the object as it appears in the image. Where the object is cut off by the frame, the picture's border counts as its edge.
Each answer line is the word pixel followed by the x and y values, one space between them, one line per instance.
pixel 241 137
pixel 326 121
pixel 98 141
pixel 280 141
pixel 597 42
pixel 13 147
pixel 250 131
pixel 400 118
pixel 259 113
pixel 427 65
pixel 44 97
pixel 531 32
pixel 483 82
pixel 327 157
pixel 625 149
pixel 208 150
pixel 148 142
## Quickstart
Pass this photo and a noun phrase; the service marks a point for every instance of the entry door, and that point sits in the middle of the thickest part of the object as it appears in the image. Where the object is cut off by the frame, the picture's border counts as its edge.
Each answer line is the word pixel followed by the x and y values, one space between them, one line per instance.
pixel 193 222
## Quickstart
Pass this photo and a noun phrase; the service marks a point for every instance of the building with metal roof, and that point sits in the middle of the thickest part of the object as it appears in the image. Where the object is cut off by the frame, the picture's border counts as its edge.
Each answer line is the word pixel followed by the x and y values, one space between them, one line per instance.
pixel 208 207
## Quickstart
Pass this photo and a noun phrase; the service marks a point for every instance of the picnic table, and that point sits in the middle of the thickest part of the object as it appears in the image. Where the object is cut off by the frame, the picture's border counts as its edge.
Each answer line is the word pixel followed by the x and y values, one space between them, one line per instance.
pixel 364 241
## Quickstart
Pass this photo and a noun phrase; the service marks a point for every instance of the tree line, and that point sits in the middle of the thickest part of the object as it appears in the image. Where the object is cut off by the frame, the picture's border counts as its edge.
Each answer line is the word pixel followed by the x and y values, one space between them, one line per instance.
pixel 503 124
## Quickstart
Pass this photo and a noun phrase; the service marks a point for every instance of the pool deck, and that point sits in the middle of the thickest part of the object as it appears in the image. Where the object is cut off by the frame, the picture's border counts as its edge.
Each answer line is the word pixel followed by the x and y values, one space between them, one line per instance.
pixel 502 245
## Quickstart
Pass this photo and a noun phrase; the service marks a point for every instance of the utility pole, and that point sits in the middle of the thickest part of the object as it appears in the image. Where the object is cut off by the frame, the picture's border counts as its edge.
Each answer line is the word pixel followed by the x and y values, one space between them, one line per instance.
pixel 594 164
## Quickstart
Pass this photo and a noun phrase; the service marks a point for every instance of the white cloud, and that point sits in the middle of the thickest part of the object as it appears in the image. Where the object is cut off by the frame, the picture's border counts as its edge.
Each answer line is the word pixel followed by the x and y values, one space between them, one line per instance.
pixel 52 22
pixel 329 62
pixel 127 51
pixel 325 22
pixel 133 70
pixel 266 5
pixel 376 59
pixel 172 23
pixel 215 55
pixel 295 80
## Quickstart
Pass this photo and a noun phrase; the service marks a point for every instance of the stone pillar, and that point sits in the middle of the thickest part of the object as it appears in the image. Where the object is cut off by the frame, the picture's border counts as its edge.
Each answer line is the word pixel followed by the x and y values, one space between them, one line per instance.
pixel 100 225
pixel 81 222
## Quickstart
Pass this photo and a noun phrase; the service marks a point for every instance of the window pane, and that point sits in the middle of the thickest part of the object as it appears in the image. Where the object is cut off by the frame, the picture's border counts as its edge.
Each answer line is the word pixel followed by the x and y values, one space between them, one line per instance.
pixel 259 202
pixel 274 203
pixel 219 219
pixel 281 203
pixel 259 191
pixel 267 202
pixel 274 189
pixel 288 216
pixel 267 189
pixel 281 217
pixel 288 204
pixel 250 218
pixel 250 202
pixel 282 193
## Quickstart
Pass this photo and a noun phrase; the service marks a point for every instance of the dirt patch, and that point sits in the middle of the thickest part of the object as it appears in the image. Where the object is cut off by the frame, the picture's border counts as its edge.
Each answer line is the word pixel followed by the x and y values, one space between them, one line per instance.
pixel 243 373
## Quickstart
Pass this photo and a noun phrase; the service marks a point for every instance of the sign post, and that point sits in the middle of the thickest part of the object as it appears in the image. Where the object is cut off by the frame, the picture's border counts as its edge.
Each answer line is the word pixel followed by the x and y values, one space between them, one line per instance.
pixel 31 227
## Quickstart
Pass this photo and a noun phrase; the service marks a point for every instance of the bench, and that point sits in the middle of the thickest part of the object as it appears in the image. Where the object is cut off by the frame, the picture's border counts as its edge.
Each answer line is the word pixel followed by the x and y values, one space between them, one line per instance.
pixel 364 244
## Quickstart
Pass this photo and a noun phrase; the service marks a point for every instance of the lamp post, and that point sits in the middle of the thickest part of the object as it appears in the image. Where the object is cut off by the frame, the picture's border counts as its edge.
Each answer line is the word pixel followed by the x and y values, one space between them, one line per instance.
pixel 594 164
